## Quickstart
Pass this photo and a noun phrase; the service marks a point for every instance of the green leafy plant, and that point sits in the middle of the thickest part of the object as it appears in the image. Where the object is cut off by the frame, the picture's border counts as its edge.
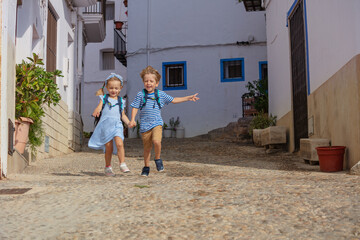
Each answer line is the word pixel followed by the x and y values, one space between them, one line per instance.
pixel 261 121
pixel 35 87
pixel 165 126
pixel 174 123
pixel 258 89
pixel 87 134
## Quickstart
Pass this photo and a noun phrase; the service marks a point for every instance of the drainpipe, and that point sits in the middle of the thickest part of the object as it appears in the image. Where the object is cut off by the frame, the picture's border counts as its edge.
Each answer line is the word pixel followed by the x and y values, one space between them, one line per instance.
pixel 148 33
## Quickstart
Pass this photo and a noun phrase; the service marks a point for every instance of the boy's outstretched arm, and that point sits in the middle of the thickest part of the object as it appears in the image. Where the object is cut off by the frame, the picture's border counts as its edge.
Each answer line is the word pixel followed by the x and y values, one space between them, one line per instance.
pixel 132 123
pixel 193 98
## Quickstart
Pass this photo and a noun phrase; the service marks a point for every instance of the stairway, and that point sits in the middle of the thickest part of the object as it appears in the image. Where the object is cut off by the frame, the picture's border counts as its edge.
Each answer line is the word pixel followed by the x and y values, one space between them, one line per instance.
pixel 234 132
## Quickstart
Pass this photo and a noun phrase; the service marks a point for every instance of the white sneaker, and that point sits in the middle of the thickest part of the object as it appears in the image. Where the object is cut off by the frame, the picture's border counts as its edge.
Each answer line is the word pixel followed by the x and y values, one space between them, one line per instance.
pixel 124 168
pixel 109 172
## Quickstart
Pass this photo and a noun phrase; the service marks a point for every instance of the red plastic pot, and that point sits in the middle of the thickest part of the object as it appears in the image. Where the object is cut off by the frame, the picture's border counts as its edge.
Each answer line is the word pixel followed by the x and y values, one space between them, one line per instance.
pixel 331 158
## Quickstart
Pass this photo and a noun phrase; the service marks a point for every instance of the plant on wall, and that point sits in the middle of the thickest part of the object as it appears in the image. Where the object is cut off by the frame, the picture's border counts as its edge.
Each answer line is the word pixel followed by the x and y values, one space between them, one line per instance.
pixel 261 121
pixel 35 87
pixel 258 89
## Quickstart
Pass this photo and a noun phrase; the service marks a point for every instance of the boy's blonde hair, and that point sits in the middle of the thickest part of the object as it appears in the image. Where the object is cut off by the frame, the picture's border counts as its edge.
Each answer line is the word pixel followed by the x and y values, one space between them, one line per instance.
pixel 111 77
pixel 150 70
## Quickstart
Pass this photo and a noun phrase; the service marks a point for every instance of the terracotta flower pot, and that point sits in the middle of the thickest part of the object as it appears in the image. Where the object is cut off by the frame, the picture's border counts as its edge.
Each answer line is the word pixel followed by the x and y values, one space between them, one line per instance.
pixel 118 25
pixel 331 158
pixel 22 127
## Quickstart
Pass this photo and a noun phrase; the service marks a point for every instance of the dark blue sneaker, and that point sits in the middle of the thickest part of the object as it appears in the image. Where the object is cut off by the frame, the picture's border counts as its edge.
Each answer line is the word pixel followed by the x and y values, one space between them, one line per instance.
pixel 145 171
pixel 159 165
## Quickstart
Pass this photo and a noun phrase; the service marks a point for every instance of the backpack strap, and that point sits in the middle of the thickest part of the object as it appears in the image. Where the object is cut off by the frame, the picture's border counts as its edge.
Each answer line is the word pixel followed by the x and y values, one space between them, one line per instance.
pixel 105 100
pixel 144 99
pixel 120 104
pixel 157 98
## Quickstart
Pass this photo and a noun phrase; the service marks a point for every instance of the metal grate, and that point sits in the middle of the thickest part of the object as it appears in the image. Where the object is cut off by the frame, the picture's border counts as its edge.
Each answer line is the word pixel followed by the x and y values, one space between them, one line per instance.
pixel 14 191
pixel 253 5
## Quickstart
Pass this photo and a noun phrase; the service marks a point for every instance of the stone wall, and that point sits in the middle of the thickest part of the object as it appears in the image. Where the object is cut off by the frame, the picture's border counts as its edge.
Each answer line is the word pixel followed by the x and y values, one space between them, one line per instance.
pixel 335 110
pixel 75 131
pixel 56 128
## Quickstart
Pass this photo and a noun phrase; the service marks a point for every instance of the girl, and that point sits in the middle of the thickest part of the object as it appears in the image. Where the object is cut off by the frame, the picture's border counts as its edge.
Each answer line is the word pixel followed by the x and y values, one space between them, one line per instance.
pixel 109 134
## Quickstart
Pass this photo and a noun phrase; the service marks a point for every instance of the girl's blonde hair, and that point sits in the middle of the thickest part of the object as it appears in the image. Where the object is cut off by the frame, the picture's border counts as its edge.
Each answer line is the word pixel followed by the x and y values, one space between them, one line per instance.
pixel 150 70
pixel 111 77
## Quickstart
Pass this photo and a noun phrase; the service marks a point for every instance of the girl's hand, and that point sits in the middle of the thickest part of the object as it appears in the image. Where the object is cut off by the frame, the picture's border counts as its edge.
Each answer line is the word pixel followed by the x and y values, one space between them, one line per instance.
pixel 96 113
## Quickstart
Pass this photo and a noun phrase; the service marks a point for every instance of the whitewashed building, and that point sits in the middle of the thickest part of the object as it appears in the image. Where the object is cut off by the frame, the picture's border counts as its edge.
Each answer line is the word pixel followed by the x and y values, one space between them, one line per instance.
pixel 100 60
pixel 314 61
pixel 56 30
pixel 213 48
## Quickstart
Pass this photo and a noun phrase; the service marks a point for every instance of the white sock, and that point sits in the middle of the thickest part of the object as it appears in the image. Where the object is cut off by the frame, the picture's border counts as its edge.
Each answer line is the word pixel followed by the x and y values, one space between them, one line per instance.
pixel 123 164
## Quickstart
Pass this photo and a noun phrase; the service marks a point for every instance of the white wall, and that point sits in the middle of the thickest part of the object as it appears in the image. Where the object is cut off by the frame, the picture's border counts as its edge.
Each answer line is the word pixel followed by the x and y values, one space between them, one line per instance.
pixel 333 39
pixel 32 35
pixel 8 74
pixel 94 76
pixel 201 33
pixel 278 54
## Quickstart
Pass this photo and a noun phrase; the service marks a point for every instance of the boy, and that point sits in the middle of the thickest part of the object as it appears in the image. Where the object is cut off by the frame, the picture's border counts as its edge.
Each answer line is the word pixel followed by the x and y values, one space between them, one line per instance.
pixel 150 115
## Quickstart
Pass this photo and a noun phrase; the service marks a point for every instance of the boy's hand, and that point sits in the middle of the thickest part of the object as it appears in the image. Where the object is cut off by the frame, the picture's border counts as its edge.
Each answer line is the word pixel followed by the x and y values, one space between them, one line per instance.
pixel 132 124
pixel 194 97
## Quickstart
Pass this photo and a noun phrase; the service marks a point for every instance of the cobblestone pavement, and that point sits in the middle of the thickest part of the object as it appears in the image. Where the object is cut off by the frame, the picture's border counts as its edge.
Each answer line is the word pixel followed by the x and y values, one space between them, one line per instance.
pixel 209 190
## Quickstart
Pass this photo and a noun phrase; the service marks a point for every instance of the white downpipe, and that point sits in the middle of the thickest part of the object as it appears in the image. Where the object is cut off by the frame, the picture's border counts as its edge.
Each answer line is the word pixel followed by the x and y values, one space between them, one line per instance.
pixel 148 45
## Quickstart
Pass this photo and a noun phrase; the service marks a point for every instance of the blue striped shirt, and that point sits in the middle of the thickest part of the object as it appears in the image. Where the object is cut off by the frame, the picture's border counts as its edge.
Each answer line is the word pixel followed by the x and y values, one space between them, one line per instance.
pixel 150 115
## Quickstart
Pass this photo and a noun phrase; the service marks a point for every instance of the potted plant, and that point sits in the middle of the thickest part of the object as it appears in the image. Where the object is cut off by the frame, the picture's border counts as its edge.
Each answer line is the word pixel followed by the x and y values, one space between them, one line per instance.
pixel 331 158
pixel 118 25
pixel 167 131
pixel 34 87
pixel 258 90
pixel 173 125
pixel 260 121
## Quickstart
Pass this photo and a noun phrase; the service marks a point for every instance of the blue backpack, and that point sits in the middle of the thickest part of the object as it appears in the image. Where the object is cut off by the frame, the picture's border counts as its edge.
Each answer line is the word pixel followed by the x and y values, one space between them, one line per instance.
pixel 145 98
pixel 106 101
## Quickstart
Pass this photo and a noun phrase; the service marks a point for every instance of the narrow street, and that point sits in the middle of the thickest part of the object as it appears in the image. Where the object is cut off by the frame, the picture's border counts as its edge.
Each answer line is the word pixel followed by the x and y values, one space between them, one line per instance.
pixel 209 190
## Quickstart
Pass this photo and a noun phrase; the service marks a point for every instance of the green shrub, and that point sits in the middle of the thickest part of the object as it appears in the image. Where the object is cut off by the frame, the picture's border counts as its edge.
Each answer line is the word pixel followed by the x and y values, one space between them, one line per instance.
pixel 261 121
pixel 34 88
pixel 258 89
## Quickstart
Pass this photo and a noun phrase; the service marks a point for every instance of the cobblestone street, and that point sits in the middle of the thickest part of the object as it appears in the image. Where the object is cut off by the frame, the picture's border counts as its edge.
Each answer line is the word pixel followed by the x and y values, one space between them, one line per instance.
pixel 209 190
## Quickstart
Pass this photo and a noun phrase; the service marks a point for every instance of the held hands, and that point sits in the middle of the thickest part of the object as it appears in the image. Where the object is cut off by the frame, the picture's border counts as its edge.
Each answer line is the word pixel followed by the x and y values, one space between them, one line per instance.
pixel 132 124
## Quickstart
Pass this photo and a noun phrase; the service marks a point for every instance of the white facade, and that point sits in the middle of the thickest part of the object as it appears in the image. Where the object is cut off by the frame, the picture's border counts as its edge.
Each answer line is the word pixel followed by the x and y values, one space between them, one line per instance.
pixel 200 33
pixel 24 32
pixel 8 28
pixel 94 74
pixel 333 30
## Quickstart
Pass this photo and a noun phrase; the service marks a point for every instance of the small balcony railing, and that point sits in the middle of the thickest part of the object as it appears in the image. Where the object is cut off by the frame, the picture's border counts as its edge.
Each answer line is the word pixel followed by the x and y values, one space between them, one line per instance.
pixel 120 46
pixel 94 21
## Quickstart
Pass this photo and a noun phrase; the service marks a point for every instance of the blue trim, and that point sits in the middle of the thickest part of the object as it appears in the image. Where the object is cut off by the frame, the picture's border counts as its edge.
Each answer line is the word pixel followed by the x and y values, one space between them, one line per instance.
pixel 306 39
pixel 260 64
pixel 164 64
pixel 307 48
pixel 241 79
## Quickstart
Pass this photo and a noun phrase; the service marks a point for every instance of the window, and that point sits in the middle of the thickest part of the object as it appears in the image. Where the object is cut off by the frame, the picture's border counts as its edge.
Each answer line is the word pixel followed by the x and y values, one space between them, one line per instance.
pixel 232 70
pixel 263 72
pixel 108 60
pixel 51 43
pixel 110 11
pixel 174 76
